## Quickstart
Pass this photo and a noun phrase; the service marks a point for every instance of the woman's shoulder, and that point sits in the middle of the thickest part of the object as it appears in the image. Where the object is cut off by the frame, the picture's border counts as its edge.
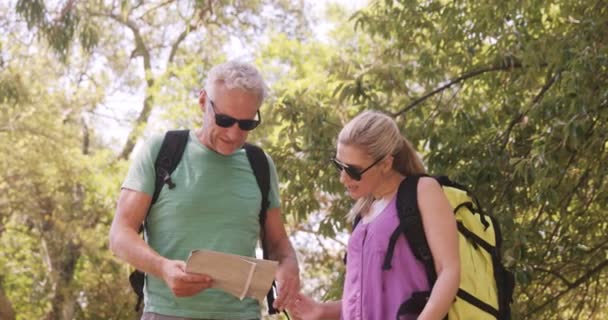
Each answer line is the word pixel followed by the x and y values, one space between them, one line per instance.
pixel 429 191
pixel 428 184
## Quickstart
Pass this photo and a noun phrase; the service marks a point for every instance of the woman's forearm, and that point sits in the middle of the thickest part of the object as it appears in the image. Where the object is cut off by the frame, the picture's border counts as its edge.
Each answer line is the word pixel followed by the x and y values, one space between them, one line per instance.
pixel 442 295
pixel 331 310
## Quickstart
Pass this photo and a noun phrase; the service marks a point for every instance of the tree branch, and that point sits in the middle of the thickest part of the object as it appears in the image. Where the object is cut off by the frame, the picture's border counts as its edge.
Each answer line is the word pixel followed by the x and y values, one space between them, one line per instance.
pixel 570 286
pixel 555 274
pixel 156 7
pixel 144 52
pixel 189 29
pixel 517 119
pixel 315 233
pixel 508 64
pixel 179 40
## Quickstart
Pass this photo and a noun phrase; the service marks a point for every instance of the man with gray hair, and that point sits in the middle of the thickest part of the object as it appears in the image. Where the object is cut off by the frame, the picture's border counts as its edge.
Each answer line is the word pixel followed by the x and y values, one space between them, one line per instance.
pixel 216 207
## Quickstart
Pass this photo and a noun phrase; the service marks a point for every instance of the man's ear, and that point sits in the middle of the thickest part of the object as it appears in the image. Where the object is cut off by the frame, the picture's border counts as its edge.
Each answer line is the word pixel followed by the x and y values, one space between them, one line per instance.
pixel 202 98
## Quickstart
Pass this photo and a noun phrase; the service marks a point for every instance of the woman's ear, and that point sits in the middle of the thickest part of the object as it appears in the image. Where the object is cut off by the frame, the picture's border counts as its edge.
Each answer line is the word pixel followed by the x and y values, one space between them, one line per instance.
pixel 387 164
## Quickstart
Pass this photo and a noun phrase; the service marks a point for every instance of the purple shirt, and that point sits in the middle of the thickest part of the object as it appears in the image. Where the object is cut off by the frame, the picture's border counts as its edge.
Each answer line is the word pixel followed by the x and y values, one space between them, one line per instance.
pixel 371 293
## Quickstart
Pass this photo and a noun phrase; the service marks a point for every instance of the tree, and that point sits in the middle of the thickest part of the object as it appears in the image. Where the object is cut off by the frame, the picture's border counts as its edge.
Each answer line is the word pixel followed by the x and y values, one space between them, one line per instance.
pixel 54 197
pixel 59 180
pixel 508 98
pixel 192 35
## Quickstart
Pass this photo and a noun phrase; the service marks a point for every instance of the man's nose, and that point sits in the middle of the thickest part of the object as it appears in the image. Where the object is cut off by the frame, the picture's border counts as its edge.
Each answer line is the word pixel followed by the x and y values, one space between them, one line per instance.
pixel 235 132
pixel 343 177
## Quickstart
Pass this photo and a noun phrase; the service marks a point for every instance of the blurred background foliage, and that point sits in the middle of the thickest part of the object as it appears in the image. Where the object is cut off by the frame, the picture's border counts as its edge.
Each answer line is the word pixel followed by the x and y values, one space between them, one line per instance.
pixel 509 98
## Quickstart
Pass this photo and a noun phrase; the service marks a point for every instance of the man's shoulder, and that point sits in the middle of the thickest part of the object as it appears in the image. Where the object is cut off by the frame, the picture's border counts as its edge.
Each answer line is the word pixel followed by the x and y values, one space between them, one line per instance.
pixel 155 140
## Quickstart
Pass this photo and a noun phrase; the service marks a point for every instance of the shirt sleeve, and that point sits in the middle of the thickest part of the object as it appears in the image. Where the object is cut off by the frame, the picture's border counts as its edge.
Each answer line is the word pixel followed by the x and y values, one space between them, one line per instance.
pixel 273 195
pixel 141 175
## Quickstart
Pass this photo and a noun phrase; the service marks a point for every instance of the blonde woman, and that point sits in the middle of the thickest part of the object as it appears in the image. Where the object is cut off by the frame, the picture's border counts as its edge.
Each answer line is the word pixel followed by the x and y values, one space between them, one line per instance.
pixel 373 159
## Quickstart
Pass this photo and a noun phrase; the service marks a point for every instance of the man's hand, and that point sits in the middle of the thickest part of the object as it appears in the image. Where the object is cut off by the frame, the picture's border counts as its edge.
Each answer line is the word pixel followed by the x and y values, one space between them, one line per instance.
pixel 288 284
pixel 182 283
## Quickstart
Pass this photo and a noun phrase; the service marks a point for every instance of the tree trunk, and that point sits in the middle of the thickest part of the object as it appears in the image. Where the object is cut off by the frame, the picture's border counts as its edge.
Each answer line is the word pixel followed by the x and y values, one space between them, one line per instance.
pixel 6 307
pixel 62 263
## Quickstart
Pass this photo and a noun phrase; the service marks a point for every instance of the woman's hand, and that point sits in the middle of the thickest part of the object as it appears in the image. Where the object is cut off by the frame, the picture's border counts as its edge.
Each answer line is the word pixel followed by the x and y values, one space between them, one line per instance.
pixel 305 308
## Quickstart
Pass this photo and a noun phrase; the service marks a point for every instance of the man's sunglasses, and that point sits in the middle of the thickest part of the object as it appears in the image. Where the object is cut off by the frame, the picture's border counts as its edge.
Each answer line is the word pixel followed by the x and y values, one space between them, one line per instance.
pixel 226 121
pixel 351 171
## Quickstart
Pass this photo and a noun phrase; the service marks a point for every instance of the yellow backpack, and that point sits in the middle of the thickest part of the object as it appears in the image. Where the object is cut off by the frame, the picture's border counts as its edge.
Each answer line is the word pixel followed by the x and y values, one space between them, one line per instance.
pixel 486 286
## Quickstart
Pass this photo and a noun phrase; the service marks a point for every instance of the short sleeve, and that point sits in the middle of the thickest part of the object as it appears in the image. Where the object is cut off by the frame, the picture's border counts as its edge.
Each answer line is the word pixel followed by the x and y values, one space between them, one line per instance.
pixel 273 195
pixel 141 175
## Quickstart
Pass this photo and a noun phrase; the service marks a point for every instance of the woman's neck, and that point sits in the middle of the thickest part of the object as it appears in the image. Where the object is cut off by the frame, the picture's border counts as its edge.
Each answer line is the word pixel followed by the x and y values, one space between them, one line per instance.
pixel 388 187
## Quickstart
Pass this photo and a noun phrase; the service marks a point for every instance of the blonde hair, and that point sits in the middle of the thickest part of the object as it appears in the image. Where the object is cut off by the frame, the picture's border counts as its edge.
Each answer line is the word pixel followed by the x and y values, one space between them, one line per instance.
pixel 377 134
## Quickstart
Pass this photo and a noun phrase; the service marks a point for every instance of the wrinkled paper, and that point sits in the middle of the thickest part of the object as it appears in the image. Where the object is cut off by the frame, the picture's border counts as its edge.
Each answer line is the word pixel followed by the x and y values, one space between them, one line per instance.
pixel 240 276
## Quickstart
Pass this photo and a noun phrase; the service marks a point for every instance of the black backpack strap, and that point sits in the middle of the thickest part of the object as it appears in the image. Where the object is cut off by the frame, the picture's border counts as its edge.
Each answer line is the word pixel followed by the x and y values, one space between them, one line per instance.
pixel 261 170
pixel 388 258
pixel 414 305
pixel 167 159
pixel 410 224
pixel 169 156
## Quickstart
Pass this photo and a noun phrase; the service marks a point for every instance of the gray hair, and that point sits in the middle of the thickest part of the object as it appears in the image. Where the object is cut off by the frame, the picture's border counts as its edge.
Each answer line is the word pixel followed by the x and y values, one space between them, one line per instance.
pixel 377 135
pixel 235 74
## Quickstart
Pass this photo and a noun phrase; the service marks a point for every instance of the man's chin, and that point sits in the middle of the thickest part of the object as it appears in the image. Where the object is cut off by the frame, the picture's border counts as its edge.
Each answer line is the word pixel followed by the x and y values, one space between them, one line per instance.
pixel 227 150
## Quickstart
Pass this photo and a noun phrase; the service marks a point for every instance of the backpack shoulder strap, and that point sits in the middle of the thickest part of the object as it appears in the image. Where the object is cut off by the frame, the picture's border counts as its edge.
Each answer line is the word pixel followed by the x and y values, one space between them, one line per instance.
pixel 167 159
pixel 261 170
pixel 169 156
pixel 410 222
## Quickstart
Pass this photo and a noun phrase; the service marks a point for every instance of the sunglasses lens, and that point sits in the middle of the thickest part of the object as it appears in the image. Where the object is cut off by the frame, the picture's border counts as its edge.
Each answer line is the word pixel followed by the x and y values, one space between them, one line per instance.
pixel 224 121
pixel 351 172
pixel 248 125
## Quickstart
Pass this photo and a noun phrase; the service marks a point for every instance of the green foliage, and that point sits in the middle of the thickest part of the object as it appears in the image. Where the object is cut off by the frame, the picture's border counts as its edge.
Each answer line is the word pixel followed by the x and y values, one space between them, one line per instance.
pixel 57 198
pixel 59 182
pixel 509 98
pixel 63 28
pixel 12 88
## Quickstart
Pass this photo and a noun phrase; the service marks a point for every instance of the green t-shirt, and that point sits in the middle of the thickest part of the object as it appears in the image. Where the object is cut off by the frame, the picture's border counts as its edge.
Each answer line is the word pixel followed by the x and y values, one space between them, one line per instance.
pixel 215 205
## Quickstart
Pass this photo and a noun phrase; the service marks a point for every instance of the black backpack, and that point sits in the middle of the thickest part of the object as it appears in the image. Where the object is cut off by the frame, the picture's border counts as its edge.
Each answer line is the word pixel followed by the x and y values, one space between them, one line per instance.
pixel 169 156
pixel 479 242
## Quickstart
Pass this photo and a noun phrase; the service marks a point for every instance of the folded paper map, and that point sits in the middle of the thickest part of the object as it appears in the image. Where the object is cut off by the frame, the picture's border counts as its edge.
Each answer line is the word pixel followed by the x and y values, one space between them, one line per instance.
pixel 240 276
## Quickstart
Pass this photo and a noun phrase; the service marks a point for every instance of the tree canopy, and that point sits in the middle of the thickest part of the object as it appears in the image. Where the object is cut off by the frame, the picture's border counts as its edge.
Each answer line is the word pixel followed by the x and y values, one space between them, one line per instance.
pixel 509 98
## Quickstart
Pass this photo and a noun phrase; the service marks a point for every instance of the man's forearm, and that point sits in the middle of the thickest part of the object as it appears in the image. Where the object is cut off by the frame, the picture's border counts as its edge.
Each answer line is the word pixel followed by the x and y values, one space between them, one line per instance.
pixel 284 253
pixel 128 245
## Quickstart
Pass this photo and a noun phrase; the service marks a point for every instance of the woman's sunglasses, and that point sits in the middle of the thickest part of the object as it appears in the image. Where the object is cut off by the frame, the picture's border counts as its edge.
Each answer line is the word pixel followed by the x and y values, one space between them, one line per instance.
pixel 226 121
pixel 351 171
